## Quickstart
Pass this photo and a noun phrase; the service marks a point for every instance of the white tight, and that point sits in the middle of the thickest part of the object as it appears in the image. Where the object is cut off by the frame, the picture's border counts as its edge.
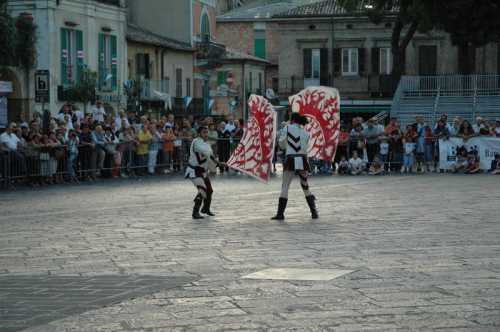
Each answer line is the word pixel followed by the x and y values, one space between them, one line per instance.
pixel 287 180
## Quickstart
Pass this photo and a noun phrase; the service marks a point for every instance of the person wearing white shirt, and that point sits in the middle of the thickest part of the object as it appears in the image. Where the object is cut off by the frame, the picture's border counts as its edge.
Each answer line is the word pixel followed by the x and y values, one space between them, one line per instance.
pixel 356 164
pixel 9 139
pixel 230 126
pixel 98 113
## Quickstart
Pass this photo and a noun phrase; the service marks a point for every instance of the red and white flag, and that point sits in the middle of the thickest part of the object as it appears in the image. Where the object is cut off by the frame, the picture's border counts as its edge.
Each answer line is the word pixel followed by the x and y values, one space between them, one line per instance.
pixel 254 154
pixel 321 105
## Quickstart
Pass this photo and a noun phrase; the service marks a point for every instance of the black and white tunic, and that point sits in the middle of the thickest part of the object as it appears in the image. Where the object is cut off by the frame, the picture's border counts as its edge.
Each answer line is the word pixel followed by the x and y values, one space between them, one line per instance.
pixel 295 141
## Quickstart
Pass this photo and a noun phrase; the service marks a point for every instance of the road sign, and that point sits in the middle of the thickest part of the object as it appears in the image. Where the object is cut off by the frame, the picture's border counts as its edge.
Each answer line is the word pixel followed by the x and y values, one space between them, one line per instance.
pixel 42 86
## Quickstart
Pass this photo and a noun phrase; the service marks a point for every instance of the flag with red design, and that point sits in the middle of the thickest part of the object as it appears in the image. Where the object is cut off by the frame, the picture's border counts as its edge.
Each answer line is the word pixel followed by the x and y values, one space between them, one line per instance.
pixel 321 105
pixel 254 154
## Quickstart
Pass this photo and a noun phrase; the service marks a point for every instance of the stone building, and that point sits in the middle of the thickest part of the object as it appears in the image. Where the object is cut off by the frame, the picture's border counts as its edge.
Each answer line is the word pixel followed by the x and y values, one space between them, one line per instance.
pixel 73 36
pixel 315 42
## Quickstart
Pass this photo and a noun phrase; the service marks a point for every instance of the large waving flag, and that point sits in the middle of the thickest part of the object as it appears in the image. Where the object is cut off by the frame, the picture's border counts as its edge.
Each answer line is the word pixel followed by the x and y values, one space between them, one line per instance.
pixel 321 105
pixel 254 154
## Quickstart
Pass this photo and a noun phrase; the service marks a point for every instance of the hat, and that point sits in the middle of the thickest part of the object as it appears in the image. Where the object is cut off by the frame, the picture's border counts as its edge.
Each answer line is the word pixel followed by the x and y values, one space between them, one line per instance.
pixel 13 125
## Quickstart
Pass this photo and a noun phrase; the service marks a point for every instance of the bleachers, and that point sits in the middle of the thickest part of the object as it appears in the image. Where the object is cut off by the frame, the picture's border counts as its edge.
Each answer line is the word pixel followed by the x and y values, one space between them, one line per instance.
pixel 464 96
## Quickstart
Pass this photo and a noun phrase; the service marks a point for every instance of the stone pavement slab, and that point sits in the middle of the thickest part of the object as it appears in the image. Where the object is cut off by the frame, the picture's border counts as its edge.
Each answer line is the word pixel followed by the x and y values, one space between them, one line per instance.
pixel 424 250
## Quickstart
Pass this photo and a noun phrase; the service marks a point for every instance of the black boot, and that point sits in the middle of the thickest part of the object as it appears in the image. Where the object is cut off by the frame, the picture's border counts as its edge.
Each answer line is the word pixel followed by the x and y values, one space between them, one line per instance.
pixel 206 206
pixel 281 209
pixel 312 206
pixel 196 209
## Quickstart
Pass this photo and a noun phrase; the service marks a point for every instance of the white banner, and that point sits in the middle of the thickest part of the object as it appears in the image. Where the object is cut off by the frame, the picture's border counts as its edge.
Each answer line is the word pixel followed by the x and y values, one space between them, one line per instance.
pixel 486 147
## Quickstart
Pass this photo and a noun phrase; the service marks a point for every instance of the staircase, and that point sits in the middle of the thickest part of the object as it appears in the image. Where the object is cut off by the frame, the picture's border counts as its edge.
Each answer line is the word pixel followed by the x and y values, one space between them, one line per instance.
pixel 431 96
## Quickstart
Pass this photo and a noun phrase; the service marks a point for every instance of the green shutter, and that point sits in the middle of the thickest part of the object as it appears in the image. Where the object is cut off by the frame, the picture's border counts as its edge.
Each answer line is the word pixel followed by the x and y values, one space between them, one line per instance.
pixel 102 67
pixel 114 63
pixel 260 48
pixel 79 55
pixel 222 77
pixel 64 57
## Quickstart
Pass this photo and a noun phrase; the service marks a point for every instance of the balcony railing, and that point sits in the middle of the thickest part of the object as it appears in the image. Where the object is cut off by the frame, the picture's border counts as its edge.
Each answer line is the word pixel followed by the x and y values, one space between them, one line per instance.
pixel 111 2
pixel 148 88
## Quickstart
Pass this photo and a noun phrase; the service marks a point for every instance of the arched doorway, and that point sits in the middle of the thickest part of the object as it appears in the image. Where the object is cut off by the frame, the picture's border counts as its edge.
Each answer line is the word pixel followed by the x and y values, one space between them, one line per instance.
pixel 16 104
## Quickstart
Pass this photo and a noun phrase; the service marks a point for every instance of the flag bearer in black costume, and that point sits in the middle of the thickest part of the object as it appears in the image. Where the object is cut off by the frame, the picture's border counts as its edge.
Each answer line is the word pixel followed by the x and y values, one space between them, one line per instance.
pixel 295 141
pixel 201 157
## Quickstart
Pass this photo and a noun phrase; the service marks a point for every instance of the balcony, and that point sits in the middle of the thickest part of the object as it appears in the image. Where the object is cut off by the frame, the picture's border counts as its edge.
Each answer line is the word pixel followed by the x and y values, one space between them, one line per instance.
pixel 152 89
pixel 209 53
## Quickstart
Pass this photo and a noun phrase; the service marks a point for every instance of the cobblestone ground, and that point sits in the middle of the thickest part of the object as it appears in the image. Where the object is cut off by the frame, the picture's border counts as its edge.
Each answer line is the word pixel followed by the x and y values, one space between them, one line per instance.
pixel 424 251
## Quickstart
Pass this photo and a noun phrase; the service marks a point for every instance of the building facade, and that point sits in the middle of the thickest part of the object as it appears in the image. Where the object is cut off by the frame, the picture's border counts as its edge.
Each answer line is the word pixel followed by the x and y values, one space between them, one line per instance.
pixel 160 53
pixel 75 36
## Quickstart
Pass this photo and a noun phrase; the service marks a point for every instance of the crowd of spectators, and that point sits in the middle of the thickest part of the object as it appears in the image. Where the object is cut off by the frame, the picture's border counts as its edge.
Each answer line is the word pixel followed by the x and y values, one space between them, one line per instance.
pixel 372 148
pixel 73 146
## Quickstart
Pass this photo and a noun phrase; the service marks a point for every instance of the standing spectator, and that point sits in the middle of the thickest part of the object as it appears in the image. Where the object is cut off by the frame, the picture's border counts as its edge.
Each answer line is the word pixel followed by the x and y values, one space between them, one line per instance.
pixel 33 159
pixel 371 134
pixel 98 112
pixel 168 138
pixel 495 165
pixel 356 164
pixel 212 136
pixel 230 126
pixel 100 149
pixel 479 124
pixel 384 151
pixel 455 127
pixel 223 145
pixel 112 151
pixel 444 119
pixel 86 153
pixel 357 140
pixel 9 142
pixel 409 157
pixel 128 144
pixel 419 128
pixel 429 148
pixel 393 125
pixel 154 147
pixel 144 137
pixel 121 120
pixel 396 150
pixel 497 128
pixel 466 131
pixel 73 143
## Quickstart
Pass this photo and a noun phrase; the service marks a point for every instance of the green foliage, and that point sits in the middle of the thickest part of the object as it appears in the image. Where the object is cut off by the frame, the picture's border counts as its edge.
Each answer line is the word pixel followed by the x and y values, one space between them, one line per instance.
pixel 470 22
pixel 7 35
pixel 84 90
pixel 25 46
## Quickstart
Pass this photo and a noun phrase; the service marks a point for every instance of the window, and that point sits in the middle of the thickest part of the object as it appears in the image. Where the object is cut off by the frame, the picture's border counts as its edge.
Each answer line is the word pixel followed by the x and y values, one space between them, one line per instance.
pixel 205 28
pixel 72 56
pixel 260 40
pixel 108 63
pixel 165 85
pixel 349 61
pixel 178 82
pixel 188 87
pixel 312 63
pixel 385 61
pixel 142 66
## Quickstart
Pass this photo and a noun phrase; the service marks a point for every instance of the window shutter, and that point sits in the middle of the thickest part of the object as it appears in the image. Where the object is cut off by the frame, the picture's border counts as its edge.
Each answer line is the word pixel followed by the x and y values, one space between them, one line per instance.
pixel 337 61
pixel 146 66
pixel 64 57
pixel 324 72
pixel 260 48
pixel 307 62
pixel 139 61
pixel 376 60
pixel 361 61
pixel 114 63
pixel 79 55
pixel 102 67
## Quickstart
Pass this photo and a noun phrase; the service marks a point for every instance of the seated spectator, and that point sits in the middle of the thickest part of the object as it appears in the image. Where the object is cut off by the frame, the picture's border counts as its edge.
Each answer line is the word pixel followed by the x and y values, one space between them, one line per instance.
pixel 495 165
pixel 455 127
pixel 343 166
pixel 473 165
pixel 461 163
pixel 356 164
pixel 377 167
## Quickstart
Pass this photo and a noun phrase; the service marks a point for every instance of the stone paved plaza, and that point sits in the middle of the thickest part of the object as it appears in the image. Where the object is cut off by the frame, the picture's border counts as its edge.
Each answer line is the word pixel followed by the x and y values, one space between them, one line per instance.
pixel 407 253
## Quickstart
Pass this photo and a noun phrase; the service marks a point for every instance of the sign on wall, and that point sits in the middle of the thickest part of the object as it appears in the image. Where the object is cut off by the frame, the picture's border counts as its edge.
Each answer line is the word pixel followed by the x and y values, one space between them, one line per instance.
pixel 42 86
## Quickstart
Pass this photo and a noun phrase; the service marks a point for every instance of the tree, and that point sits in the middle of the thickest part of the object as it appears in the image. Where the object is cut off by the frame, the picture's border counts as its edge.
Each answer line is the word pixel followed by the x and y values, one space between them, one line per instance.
pixel 410 16
pixel 471 24
pixel 7 35
pixel 85 90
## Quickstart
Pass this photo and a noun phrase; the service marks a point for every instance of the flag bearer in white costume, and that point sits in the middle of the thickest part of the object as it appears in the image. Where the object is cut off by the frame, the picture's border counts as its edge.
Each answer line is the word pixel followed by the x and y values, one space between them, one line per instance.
pixel 295 141
pixel 201 157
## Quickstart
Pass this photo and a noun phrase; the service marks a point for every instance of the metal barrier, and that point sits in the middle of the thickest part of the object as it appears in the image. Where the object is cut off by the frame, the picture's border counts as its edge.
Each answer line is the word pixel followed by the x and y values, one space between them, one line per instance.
pixel 57 164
